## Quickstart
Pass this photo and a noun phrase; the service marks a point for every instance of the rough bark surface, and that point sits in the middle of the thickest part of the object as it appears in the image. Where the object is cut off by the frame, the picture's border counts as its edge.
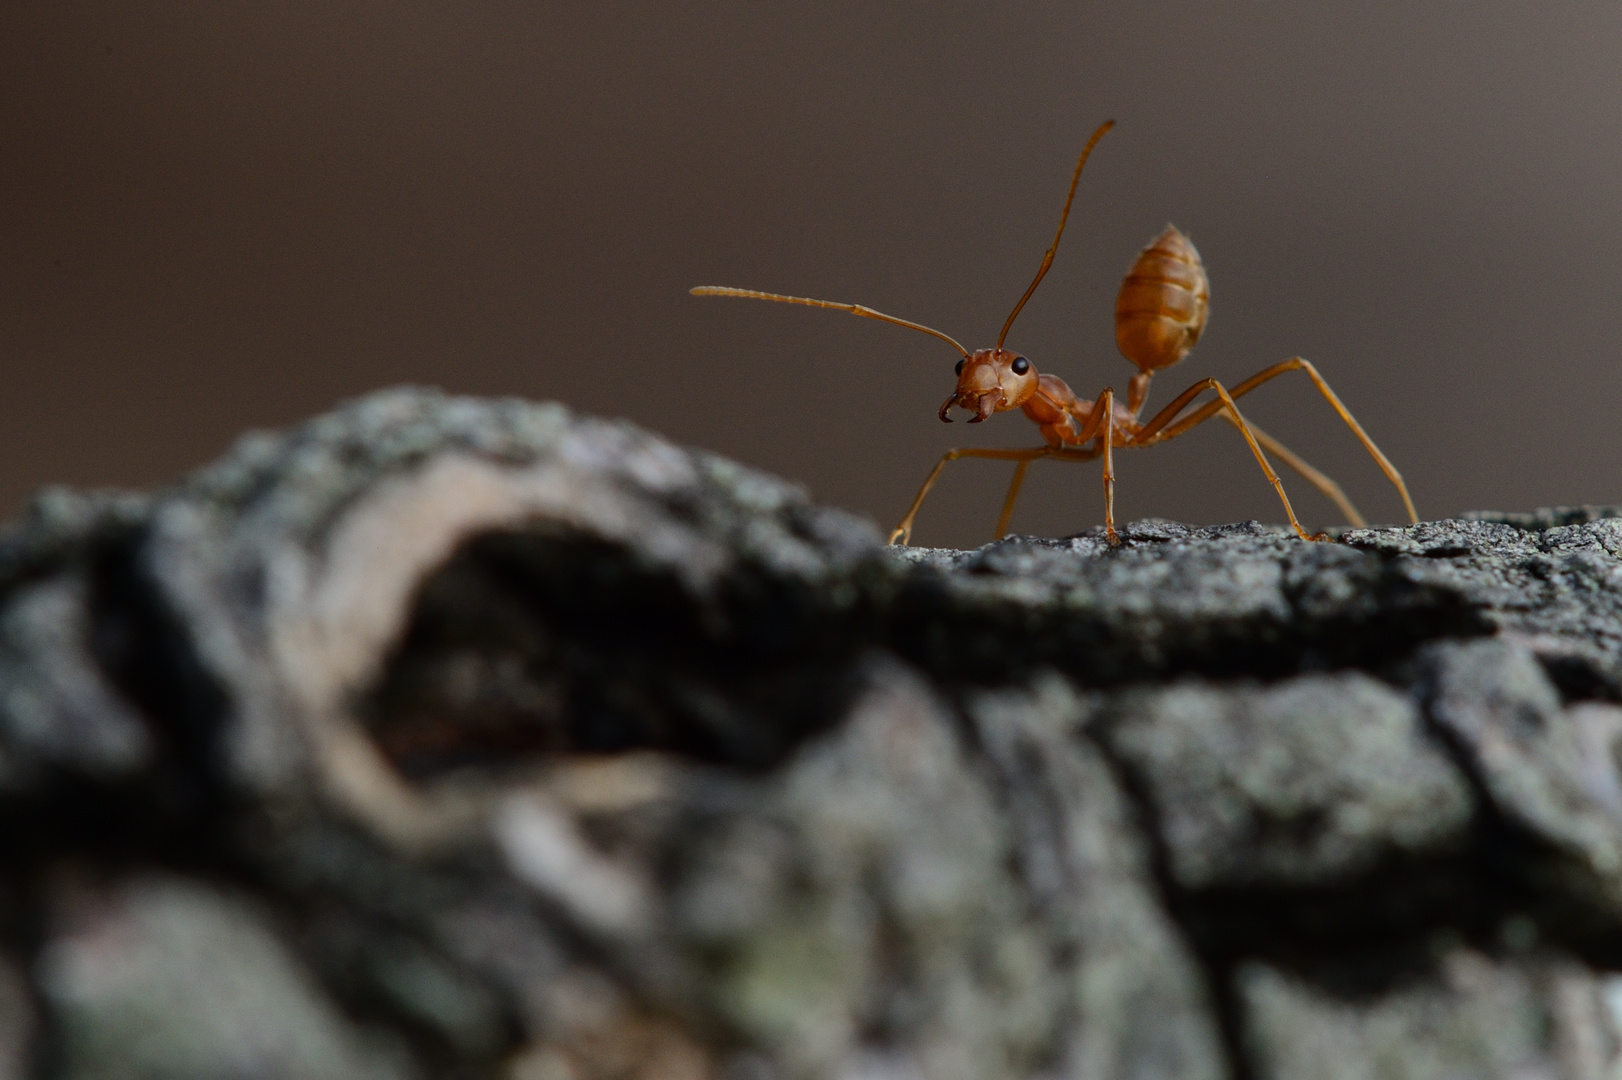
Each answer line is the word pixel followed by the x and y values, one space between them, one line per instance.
pixel 456 738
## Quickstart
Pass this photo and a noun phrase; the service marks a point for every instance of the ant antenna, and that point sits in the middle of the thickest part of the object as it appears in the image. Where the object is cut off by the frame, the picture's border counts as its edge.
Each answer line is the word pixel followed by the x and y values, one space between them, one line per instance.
pixel 1047 260
pixel 854 309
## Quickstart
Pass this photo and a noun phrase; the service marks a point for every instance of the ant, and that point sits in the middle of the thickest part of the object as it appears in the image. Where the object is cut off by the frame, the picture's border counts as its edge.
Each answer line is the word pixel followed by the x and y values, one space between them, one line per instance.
pixel 1160 313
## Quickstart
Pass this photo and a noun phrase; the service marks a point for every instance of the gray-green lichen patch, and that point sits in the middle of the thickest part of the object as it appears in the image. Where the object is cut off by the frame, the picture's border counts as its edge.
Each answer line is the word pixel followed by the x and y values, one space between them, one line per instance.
pixel 1551 769
pixel 1478 1017
pixel 875 912
pixel 1301 781
pixel 57 711
pixel 1135 1001
pixel 166 978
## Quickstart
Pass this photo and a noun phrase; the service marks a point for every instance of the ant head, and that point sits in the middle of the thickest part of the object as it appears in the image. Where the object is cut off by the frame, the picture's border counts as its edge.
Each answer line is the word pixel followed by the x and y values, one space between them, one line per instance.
pixel 991 380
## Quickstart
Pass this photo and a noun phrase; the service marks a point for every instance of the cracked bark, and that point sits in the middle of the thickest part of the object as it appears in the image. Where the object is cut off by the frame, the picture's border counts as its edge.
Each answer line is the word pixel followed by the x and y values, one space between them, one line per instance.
pixel 453 738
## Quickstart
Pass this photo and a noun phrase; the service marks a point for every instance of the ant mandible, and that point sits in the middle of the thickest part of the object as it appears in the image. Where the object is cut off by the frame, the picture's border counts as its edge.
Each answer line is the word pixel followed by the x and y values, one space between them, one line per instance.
pixel 1160 313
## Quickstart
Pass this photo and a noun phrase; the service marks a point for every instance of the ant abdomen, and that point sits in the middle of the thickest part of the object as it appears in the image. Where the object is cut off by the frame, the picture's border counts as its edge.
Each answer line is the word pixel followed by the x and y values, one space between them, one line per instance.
pixel 1163 303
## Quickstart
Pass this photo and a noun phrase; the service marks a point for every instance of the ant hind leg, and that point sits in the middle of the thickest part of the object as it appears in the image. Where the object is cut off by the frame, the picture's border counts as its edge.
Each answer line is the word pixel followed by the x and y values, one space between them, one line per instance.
pixel 1157 431
pixel 1326 486
pixel 1161 428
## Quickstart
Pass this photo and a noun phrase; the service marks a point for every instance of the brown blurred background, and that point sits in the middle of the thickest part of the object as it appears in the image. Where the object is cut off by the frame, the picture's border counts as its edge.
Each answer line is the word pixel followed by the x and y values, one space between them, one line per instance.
pixel 222 216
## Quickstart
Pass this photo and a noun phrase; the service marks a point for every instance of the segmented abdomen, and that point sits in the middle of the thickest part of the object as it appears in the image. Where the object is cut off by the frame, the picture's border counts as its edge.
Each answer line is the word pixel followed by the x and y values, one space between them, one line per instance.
pixel 1161 309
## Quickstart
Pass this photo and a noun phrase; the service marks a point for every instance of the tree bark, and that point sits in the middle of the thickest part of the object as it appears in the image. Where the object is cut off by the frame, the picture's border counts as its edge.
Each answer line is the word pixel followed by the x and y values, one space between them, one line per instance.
pixel 454 738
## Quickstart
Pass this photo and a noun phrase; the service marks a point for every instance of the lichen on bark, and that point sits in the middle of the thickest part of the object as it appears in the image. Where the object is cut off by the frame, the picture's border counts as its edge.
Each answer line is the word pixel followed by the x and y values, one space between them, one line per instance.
pixel 460 738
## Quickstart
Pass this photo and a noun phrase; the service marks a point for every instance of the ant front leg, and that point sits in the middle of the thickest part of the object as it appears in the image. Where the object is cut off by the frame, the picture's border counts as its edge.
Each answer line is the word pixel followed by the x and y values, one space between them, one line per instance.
pixel 1010 499
pixel 1106 402
pixel 902 533
pixel 1056 453
pixel 1100 430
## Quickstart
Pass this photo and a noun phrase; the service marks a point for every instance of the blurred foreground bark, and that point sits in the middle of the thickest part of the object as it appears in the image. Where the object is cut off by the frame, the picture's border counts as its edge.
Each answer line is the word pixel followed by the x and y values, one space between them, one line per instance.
pixel 451 738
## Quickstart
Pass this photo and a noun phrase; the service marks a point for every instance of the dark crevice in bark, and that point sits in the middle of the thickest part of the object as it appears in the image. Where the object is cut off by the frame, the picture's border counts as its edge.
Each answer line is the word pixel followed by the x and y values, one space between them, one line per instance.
pixel 145 650
pixel 359 940
pixel 1217 967
pixel 1533 877
pixel 541 643
pixel 559 643
pixel 1004 642
pixel 1364 935
pixel 1578 678
pixel 168 811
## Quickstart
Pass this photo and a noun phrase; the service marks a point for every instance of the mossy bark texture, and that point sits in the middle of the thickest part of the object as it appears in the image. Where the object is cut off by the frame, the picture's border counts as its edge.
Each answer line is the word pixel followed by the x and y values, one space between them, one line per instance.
pixel 454 738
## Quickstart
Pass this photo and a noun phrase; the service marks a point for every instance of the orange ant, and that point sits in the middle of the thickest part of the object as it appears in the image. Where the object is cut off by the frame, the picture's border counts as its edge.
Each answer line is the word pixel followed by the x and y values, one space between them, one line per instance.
pixel 1160 313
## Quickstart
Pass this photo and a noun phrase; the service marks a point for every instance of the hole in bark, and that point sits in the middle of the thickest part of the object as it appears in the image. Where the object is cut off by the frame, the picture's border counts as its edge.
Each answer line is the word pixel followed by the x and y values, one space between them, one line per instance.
pixel 1578 678
pixel 547 643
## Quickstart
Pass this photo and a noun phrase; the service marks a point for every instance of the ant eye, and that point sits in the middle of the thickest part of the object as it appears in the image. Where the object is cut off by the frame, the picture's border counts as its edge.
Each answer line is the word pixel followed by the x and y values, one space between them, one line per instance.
pixel 959 369
pixel 1021 365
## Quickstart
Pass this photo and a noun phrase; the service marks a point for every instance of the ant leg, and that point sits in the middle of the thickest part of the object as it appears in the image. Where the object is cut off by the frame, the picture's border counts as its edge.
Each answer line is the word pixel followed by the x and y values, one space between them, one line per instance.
pixel 1151 433
pixel 1345 414
pixel 1013 496
pixel 902 533
pixel 1294 363
pixel 1324 484
pixel 1100 429
pixel 1106 402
